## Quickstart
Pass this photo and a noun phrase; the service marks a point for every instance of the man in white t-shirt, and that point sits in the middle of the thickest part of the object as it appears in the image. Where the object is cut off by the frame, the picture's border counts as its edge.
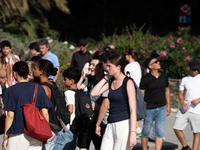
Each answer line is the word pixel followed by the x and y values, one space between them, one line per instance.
pixel 190 110
pixel 68 139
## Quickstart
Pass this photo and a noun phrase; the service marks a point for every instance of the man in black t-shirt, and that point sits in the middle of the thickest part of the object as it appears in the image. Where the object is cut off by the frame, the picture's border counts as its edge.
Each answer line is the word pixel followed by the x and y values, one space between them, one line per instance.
pixel 80 57
pixel 155 88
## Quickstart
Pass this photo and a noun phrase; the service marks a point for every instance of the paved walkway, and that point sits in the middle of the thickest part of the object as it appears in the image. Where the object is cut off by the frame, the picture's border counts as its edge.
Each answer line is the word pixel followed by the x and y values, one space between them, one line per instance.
pixel 170 143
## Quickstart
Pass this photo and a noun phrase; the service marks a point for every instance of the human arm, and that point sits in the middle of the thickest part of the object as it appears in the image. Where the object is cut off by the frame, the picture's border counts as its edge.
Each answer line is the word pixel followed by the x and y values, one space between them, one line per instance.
pixel 8 123
pixel 167 95
pixel 84 73
pixel 70 108
pixel 45 113
pixel 132 107
pixel 181 98
pixel 102 112
pixel 101 87
pixel 8 72
pixel 195 101
pixel 57 74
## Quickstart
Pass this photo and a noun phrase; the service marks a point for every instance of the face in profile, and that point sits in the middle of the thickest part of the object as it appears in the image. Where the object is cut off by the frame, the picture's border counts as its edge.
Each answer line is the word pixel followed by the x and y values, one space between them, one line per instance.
pixel 83 48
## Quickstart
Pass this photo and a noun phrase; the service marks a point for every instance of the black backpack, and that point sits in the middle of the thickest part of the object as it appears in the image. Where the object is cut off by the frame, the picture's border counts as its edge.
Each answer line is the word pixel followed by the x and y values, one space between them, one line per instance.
pixel 59 109
pixel 83 112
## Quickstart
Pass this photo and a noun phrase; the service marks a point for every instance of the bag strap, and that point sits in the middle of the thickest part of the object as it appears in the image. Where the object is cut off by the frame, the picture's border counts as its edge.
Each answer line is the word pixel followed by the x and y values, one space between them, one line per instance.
pixel 124 88
pixel 35 94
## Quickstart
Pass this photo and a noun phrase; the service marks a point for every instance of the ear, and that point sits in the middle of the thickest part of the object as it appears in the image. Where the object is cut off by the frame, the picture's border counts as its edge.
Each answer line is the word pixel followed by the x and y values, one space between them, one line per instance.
pixel 86 45
pixel 72 81
pixel 119 67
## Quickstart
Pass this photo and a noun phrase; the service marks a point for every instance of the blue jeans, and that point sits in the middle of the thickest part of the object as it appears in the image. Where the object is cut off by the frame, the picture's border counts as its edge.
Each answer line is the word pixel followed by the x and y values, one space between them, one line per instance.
pixel 65 141
pixel 159 116
pixel 50 142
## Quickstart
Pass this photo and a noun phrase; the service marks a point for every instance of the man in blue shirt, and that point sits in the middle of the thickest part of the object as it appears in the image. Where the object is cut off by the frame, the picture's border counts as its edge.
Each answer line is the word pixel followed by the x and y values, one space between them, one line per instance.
pixel 46 54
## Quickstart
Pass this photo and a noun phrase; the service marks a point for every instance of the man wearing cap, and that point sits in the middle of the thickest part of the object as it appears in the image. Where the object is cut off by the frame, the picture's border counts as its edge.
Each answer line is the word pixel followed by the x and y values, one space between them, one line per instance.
pixel 80 57
pixel 155 88
pixel 190 110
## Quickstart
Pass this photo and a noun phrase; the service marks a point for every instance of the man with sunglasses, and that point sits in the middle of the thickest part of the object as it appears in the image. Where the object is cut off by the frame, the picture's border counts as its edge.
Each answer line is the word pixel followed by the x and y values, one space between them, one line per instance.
pixel 155 88
pixel 80 57
pixel 190 110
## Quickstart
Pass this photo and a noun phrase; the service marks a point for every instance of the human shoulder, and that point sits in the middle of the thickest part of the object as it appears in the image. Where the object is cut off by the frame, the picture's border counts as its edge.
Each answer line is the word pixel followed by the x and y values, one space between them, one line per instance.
pixel 17 57
pixel 69 92
pixel 52 54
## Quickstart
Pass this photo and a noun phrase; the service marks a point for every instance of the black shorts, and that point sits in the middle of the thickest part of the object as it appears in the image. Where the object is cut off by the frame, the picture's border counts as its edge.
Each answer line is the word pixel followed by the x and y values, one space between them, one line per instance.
pixel 84 139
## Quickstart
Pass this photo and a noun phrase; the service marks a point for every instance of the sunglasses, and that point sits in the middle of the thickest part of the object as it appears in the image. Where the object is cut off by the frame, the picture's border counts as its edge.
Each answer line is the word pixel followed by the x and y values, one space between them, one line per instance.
pixel 82 45
pixel 155 62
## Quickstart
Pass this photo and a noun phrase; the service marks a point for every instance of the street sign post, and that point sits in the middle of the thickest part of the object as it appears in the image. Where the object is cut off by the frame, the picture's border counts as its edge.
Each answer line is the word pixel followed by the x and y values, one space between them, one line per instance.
pixel 185 13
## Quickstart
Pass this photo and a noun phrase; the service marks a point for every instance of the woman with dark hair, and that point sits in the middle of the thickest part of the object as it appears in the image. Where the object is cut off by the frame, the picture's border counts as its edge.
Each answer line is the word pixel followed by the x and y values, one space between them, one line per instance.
pixel 120 132
pixel 44 68
pixel 14 99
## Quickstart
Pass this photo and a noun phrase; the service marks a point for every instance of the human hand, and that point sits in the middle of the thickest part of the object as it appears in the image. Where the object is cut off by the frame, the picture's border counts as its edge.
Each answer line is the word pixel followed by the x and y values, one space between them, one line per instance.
pixel 195 101
pixel 168 110
pixel 4 144
pixel 185 105
pixel 85 72
pixel 98 130
pixel 133 141
pixel 93 105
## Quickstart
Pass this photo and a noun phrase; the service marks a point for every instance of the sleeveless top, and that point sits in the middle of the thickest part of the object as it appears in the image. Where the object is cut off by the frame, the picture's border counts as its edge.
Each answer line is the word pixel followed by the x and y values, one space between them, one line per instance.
pixel 118 107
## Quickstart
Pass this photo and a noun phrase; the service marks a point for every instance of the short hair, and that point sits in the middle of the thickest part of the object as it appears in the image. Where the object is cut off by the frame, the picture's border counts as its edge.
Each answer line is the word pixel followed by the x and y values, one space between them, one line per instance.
pixel 44 42
pixel 117 59
pixel 109 44
pixel 21 68
pixel 5 43
pixel 35 46
pixel 147 62
pixel 47 67
pixel 132 52
pixel 72 73
pixel 36 58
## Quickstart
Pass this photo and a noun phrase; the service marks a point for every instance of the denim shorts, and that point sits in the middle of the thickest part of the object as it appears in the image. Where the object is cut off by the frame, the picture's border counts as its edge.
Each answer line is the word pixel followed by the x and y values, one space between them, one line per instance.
pixel 159 116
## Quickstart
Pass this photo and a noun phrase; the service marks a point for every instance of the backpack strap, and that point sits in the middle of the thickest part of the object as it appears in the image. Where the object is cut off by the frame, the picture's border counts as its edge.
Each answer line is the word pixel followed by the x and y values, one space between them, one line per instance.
pixel 124 88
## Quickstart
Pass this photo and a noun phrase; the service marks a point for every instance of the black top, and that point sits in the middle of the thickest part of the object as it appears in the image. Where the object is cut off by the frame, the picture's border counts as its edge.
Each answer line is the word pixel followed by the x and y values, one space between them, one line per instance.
pixel 154 88
pixel 79 59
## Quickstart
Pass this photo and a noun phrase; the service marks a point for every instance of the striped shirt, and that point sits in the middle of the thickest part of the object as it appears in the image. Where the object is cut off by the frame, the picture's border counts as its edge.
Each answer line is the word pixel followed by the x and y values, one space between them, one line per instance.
pixel 11 62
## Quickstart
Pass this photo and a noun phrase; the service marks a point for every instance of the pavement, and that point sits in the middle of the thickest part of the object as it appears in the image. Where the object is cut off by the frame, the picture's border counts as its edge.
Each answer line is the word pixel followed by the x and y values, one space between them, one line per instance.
pixel 170 143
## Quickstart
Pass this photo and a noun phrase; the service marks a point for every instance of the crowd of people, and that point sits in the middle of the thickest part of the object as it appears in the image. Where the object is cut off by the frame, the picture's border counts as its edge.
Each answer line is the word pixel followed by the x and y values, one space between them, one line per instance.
pixel 113 125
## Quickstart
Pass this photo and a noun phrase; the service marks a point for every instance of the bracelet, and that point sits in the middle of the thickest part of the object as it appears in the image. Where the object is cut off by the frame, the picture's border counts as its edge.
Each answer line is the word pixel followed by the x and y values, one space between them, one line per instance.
pixel 106 78
pixel 5 137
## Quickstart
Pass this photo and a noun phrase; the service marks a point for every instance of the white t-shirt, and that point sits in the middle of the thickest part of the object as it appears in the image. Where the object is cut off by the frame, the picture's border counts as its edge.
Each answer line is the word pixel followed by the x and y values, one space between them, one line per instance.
pixel 70 99
pixel 135 71
pixel 191 85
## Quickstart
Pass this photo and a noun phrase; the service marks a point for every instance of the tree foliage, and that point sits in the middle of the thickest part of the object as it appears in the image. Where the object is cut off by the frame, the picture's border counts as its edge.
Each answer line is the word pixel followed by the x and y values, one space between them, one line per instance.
pixel 26 17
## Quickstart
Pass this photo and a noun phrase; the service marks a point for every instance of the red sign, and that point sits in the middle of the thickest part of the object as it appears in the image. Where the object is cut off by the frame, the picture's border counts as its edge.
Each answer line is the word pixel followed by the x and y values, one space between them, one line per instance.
pixel 185 10
pixel 185 13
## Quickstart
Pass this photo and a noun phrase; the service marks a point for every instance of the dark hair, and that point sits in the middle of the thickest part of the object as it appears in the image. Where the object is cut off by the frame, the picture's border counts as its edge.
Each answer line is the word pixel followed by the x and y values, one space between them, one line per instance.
pixel 147 62
pixel 132 52
pixel 106 54
pixel 43 42
pixel 5 43
pixel 47 67
pixel 97 55
pixel 72 73
pixel 117 59
pixel 35 46
pixel 21 68
pixel 36 58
